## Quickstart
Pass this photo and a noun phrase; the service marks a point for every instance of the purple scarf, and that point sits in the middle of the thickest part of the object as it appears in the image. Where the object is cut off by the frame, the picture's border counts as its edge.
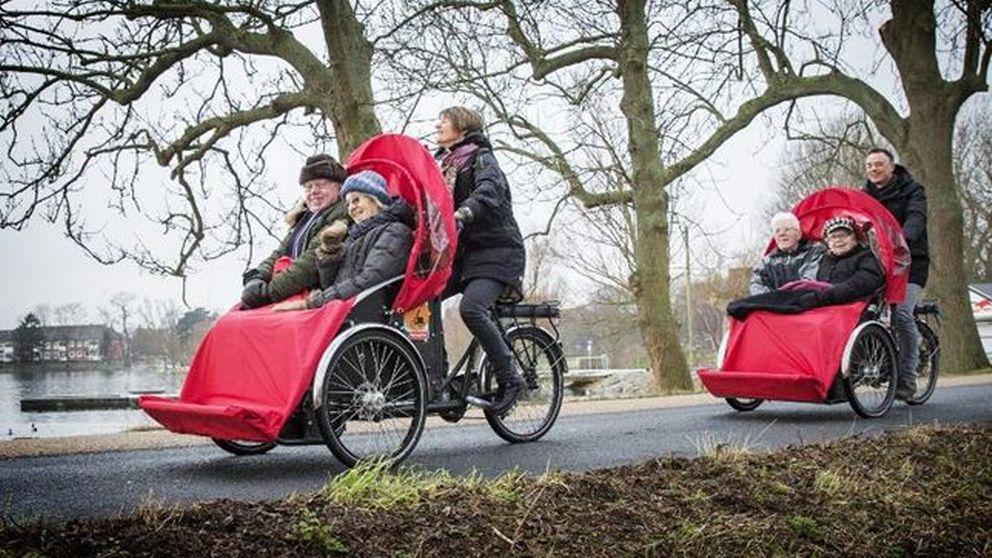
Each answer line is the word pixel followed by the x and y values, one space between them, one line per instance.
pixel 454 160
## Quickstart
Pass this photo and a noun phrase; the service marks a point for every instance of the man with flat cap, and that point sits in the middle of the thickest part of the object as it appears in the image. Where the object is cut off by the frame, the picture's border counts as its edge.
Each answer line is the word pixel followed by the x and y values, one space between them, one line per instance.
pixel 320 206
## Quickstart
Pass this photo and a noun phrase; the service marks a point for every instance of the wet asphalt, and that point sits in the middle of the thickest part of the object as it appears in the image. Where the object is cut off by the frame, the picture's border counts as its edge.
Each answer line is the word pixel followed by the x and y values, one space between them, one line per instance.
pixel 105 484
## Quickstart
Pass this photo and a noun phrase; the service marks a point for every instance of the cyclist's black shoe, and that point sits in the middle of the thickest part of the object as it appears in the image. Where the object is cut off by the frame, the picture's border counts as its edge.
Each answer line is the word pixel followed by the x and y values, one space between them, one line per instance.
pixel 502 400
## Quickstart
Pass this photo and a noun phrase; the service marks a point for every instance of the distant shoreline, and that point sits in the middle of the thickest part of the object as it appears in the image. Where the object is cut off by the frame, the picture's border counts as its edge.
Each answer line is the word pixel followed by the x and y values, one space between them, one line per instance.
pixel 82 366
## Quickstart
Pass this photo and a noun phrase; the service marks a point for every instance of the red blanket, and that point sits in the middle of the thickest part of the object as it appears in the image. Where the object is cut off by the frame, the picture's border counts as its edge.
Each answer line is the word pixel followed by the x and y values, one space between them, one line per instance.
pixel 788 357
pixel 250 373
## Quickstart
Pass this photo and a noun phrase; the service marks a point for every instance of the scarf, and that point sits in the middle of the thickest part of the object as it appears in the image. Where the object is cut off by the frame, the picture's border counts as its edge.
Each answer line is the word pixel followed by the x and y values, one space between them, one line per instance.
pixel 454 160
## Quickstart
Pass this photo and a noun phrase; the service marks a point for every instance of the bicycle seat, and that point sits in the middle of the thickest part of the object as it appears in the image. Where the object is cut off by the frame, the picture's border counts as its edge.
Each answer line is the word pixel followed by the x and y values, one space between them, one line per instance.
pixel 547 309
pixel 926 307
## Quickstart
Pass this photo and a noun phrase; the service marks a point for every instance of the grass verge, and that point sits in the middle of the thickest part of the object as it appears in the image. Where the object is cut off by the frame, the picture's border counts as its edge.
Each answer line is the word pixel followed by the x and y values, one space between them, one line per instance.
pixel 925 491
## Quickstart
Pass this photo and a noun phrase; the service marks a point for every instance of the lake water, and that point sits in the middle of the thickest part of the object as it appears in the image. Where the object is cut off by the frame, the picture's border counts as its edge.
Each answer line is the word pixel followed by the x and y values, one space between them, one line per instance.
pixel 31 383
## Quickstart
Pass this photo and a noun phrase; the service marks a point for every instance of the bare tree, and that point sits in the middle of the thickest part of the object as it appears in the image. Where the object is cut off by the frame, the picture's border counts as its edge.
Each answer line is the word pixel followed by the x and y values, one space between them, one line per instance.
pixel 834 155
pixel 119 314
pixel 96 95
pixel 972 154
pixel 685 78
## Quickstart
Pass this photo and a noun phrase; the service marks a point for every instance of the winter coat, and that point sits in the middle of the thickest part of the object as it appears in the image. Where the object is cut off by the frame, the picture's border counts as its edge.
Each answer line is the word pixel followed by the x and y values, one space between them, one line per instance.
pixel 906 199
pixel 301 275
pixel 375 250
pixel 855 275
pixel 779 267
pixel 490 245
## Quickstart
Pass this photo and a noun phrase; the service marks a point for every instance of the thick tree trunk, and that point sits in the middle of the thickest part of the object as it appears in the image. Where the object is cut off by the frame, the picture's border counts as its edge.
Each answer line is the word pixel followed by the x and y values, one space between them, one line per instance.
pixel 659 330
pixel 350 103
pixel 658 327
pixel 930 160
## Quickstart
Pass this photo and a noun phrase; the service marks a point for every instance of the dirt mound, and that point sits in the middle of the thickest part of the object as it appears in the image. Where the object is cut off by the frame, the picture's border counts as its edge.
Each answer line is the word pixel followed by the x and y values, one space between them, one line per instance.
pixel 924 492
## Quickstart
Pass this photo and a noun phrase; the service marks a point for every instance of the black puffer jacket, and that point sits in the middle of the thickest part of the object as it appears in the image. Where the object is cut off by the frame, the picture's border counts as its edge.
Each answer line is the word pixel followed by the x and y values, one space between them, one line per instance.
pixel 779 268
pixel 375 250
pixel 490 245
pixel 854 276
pixel 906 199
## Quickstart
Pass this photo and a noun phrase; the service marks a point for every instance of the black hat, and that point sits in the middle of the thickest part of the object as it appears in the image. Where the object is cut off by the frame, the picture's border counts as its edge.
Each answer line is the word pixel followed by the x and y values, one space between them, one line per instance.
pixel 322 166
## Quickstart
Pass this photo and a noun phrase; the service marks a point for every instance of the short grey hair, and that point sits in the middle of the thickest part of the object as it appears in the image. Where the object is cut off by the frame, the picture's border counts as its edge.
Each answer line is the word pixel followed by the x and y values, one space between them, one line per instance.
pixel 785 218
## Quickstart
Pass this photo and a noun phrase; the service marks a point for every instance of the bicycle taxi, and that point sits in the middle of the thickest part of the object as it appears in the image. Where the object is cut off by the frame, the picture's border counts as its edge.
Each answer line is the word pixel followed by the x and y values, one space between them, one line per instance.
pixel 829 354
pixel 362 375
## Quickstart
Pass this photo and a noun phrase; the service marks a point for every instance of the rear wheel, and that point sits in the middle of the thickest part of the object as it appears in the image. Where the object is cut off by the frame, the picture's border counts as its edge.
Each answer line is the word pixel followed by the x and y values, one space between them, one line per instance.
pixel 742 404
pixel 929 366
pixel 243 447
pixel 542 365
pixel 870 371
pixel 374 399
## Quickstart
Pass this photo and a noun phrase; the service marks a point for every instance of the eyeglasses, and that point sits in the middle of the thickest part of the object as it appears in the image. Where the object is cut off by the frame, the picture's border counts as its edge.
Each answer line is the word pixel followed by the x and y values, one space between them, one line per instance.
pixel 315 185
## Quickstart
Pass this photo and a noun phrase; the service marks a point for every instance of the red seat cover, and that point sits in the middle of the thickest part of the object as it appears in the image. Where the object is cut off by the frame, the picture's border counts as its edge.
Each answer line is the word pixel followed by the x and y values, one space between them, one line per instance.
pixel 792 357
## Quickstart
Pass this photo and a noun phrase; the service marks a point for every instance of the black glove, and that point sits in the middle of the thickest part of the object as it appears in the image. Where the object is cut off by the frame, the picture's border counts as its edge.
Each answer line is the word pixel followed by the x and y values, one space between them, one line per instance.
pixel 251 274
pixel 256 294
pixel 462 215
pixel 809 300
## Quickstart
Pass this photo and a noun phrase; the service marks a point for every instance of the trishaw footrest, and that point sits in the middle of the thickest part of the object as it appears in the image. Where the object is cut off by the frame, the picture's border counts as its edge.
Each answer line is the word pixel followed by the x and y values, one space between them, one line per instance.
pixel 224 421
pixel 764 385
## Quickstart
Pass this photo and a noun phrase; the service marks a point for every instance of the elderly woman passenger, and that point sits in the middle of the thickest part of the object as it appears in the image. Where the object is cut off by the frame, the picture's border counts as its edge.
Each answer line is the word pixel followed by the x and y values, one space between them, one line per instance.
pixel 374 249
pixel 794 257
pixel 848 266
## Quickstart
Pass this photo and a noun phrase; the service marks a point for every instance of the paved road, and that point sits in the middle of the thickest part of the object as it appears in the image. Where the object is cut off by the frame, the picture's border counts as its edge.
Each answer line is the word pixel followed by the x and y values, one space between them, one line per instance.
pixel 102 484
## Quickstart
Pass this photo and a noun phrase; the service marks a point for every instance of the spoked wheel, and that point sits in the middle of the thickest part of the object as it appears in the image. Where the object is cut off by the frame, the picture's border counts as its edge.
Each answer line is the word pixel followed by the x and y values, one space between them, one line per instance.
pixel 374 399
pixel 742 404
pixel 542 365
pixel 929 366
pixel 870 379
pixel 243 447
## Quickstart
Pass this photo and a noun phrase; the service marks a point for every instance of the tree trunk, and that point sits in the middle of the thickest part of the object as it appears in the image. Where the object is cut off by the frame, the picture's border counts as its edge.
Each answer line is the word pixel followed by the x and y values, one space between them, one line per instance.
pixel 929 157
pixel 654 309
pixel 659 330
pixel 350 102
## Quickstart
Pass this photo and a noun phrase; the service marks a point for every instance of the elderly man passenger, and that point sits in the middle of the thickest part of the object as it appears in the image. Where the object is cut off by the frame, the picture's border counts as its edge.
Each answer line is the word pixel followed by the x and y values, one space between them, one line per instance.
pixel 321 205
pixel 794 257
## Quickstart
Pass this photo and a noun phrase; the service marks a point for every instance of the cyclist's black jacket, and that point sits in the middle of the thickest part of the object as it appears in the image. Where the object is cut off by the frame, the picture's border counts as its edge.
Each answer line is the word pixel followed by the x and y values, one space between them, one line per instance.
pixel 906 199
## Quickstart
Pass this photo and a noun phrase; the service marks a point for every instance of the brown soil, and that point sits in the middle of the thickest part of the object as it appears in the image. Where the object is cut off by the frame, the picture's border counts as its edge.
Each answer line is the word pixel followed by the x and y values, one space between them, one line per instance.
pixel 922 492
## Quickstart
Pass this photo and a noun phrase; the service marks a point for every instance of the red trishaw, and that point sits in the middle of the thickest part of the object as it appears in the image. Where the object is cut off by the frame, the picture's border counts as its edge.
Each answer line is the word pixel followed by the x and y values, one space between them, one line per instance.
pixel 361 375
pixel 835 353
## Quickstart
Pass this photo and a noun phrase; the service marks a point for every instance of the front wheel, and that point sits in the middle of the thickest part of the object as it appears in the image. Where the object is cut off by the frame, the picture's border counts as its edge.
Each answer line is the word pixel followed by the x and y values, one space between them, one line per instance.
pixel 236 447
pixel 744 405
pixel 929 366
pixel 542 365
pixel 374 399
pixel 870 371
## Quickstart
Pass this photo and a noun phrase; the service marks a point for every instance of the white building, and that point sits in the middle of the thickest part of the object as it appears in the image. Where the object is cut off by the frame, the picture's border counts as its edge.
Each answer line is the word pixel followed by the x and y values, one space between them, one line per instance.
pixel 981 306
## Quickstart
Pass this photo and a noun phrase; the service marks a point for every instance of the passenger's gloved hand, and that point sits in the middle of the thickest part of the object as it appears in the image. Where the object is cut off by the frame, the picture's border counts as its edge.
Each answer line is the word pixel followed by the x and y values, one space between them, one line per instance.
pixel 256 294
pixel 331 238
pixel 809 300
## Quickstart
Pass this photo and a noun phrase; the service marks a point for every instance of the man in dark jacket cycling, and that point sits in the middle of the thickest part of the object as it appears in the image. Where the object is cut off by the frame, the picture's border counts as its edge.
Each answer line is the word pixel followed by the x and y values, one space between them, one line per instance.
pixel 905 198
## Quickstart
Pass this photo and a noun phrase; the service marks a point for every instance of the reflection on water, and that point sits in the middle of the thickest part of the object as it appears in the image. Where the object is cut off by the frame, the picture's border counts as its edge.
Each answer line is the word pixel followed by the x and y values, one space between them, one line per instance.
pixel 31 383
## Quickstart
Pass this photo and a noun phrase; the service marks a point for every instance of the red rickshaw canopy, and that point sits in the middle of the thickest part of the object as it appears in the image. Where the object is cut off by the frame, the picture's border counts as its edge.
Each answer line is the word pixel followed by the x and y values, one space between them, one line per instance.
pixel 253 367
